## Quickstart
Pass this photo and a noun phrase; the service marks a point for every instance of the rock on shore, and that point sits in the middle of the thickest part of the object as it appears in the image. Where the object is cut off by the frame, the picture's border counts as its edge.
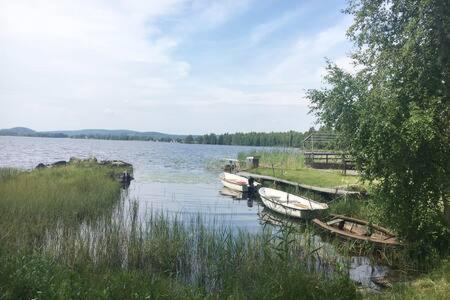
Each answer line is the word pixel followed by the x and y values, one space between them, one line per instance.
pixel 120 170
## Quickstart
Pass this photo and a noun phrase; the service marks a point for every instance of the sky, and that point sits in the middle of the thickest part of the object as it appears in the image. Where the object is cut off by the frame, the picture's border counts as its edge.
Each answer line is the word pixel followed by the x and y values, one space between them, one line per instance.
pixel 174 66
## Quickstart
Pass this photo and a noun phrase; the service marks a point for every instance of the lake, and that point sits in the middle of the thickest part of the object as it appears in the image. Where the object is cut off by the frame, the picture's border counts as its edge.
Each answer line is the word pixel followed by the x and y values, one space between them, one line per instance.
pixel 170 177
pixel 177 179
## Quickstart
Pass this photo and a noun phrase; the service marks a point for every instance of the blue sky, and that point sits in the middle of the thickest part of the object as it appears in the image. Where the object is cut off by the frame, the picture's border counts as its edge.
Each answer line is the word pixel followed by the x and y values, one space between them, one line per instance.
pixel 171 66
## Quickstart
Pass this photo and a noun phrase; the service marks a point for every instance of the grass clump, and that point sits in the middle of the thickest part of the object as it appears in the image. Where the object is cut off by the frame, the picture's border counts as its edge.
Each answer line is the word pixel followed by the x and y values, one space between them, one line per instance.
pixel 432 286
pixel 280 159
pixel 33 202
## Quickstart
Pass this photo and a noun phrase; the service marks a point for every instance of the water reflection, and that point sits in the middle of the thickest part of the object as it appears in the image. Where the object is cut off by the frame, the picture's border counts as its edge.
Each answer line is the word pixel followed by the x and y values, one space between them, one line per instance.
pixel 235 195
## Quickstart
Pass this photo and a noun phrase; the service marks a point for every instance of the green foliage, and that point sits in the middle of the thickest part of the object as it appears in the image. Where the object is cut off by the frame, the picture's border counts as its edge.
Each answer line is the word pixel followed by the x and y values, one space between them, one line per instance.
pixel 286 139
pixel 281 139
pixel 393 114
pixel 364 209
pixel 189 139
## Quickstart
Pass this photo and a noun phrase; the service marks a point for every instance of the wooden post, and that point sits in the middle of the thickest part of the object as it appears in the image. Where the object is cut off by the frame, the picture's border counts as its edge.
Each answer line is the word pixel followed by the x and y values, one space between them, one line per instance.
pixel 345 165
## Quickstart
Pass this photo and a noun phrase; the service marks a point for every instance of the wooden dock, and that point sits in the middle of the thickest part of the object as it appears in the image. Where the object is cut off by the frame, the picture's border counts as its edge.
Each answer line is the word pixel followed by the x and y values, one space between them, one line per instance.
pixel 329 160
pixel 330 191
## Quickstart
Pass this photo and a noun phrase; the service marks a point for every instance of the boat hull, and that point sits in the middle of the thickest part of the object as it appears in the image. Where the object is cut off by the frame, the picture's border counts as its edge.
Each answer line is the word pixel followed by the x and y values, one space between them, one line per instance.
pixel 234 186
pixel 288 211
pixel 290 205
pixel 236 182
pixel 380 236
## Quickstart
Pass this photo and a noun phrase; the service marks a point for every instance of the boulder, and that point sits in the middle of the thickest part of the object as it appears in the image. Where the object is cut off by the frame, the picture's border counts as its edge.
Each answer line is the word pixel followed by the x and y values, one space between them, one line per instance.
pixel 116 163
pixel 41 166
pixel 74 160
pixel 59 163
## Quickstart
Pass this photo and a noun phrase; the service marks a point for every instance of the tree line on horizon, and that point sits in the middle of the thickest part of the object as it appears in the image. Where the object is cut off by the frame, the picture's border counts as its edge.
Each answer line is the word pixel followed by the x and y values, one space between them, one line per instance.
pixel 265 139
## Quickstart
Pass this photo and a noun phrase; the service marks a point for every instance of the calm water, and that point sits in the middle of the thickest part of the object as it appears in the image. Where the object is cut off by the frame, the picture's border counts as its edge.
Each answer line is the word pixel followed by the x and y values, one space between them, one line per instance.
pixel 178 179
pixel 175 178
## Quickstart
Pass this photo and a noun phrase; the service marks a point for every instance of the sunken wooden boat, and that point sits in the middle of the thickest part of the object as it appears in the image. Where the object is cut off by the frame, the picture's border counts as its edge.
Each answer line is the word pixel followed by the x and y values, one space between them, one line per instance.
pixel 355 229
pixel 236 182
pixel 289 204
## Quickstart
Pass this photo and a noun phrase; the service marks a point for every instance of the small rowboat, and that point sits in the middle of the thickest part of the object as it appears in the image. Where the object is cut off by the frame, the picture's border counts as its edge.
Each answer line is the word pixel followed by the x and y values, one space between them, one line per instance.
pixel 290 205
pixel 235 182
pixel 351 228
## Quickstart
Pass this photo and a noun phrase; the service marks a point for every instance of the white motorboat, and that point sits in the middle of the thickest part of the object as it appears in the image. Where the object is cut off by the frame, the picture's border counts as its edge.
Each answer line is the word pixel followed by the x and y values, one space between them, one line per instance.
pixel 235 182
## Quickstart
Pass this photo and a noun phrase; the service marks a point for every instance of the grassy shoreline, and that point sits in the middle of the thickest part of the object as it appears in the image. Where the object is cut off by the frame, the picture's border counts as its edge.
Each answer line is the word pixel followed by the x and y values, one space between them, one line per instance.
pixel 66 233
pixel 289 165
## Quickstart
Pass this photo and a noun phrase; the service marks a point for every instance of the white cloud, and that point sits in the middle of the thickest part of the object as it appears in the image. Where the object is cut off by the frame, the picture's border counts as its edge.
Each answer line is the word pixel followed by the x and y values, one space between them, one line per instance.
pixel 75 64
pixel 264 30
pixel 293 70
pixel 203 15
pixel 308 54
pixel 90 52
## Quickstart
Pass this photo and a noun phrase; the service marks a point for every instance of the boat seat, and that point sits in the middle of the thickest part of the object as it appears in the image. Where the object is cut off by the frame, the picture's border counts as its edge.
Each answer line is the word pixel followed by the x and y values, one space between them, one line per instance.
pixel 301 205
pixel 334 221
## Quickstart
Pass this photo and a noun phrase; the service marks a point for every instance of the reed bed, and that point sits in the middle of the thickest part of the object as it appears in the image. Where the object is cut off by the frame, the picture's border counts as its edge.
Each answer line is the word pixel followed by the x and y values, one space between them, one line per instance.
pixel 66 232
pixel 287 159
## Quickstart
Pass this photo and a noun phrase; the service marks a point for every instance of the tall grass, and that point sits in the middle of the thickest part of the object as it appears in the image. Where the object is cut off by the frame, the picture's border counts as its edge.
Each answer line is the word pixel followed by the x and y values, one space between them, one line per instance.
pixel 8 173
pixel 34 202
pixel 435 285
pixel 67 234
pixel 281 159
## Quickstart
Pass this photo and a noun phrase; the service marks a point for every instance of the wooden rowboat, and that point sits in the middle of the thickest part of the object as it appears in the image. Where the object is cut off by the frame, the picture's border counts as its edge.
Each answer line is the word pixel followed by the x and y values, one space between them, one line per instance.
pixel 235 182
pixel 289 204
pixel 351 228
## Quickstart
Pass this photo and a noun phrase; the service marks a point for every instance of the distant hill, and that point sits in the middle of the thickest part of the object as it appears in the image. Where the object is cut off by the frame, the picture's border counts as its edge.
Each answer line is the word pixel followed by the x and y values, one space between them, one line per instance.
pixel 21 131
pixel 120 134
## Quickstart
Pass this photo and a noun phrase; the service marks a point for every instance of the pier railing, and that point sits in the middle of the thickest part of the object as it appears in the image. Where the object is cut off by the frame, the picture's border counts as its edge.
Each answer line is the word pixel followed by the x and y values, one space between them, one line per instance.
pixel 329 160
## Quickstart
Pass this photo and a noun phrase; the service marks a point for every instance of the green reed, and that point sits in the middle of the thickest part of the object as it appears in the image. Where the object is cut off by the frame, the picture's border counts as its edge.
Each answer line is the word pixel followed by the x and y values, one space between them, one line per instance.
pixel 279 159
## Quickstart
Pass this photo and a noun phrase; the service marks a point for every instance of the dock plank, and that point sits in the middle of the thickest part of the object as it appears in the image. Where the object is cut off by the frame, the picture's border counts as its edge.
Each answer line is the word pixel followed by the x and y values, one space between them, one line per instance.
pixel 334 191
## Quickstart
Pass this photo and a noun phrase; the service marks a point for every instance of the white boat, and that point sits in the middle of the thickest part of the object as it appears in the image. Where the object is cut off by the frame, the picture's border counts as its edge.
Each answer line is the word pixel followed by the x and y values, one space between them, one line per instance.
pixel 290 205
pixel 235 182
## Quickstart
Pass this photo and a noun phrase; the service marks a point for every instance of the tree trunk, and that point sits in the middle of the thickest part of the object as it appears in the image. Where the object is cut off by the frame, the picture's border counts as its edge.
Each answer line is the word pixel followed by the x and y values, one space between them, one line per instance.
pixel 446 209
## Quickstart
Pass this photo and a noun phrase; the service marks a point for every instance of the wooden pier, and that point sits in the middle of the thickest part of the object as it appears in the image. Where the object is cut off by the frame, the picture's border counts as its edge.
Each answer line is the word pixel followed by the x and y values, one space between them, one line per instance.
pixel 329 191
pixel 329 160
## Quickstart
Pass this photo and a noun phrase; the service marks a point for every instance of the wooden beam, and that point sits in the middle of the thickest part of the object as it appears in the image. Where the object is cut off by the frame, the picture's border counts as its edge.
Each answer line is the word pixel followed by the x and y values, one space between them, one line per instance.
pixel 333 191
